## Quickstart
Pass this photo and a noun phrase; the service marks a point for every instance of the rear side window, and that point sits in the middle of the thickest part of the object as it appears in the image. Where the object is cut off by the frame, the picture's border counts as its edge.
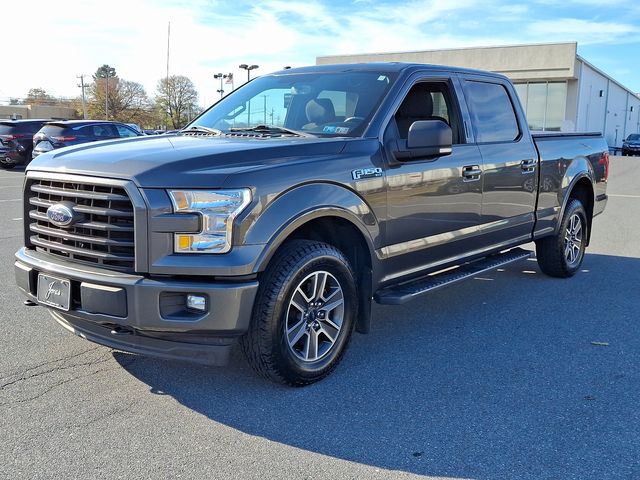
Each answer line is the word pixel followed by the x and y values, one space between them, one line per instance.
pixel 125 131
pixel 54 130
pixel 492 114
pixel 6 129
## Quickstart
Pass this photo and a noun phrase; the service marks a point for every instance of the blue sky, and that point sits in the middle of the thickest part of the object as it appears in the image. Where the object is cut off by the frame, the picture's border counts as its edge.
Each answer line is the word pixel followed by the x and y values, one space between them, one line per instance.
pixel 211 36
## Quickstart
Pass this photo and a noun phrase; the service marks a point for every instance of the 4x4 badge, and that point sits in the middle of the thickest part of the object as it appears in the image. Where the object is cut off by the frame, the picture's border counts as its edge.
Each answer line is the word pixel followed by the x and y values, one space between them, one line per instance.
pixel 366 173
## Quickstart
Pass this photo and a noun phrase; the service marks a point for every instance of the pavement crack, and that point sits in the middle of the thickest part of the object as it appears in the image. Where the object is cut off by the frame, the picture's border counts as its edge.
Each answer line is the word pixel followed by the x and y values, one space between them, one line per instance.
pixel 48 362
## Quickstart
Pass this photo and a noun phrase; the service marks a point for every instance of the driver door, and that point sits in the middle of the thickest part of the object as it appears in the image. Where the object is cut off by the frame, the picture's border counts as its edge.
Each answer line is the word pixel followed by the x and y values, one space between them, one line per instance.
pixel 434 204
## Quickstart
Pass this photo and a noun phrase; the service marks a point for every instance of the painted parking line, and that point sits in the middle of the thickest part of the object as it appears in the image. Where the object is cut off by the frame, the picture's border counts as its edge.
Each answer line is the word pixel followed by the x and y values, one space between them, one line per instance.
pixel 623 196
pixel 11 200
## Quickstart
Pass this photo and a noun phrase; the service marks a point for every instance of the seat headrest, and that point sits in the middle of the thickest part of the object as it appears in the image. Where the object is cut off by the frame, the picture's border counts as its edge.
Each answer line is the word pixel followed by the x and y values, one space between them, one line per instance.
pixel 417 104
pixel 320 110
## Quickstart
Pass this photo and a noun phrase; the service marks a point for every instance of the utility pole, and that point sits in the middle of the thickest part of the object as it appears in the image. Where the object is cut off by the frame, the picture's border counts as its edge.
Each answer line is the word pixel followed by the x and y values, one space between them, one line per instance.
pixel 265 109
pixel 168 44
pixel 84 101
pixel 106 97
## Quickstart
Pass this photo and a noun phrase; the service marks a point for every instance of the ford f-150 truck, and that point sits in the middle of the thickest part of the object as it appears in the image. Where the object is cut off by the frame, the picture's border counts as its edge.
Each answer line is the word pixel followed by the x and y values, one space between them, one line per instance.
pixel 278 215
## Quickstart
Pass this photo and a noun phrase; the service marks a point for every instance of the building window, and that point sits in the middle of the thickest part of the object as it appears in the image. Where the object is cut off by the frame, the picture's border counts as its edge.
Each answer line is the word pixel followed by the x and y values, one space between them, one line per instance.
pixel 544 104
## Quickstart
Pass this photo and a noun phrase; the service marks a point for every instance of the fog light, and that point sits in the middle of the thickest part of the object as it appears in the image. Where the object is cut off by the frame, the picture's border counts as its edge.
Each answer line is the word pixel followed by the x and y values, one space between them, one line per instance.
pixel 196 302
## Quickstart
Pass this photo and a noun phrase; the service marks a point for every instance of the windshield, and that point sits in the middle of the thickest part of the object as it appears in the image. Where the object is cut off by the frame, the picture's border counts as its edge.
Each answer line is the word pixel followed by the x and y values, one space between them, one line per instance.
pixel 634 137
pixel 320 104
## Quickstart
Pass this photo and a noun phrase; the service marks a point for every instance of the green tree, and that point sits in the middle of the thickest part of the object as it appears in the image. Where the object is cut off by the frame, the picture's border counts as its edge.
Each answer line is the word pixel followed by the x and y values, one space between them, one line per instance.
pixel 38 96
pixel 177 98
pixel 105 71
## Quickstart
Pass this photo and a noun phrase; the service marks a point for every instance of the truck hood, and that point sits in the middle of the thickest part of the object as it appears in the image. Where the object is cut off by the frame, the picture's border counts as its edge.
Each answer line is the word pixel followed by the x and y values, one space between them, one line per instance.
pixel 178 161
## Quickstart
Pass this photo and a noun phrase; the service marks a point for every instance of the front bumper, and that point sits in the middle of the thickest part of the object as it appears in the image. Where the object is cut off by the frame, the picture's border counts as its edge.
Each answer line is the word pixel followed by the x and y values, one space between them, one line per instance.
pixel 146 315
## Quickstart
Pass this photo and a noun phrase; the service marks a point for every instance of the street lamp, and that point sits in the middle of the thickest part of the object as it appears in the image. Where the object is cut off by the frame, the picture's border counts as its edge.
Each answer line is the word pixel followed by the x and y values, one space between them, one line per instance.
pixel 248 68
pixel 221 77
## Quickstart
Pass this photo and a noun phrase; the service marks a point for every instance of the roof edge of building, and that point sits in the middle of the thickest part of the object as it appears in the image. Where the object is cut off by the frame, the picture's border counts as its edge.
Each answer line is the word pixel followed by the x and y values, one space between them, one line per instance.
pixel 485 47
pixel 606 75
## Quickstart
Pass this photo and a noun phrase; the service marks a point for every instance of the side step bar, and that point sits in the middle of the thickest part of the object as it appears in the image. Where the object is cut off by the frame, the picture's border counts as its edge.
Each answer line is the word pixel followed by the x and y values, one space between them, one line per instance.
pixel 402 293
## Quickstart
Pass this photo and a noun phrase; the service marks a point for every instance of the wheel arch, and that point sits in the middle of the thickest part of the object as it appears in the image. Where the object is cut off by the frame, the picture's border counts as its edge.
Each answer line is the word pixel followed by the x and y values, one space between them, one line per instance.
pixel 346 223
pixel 582 188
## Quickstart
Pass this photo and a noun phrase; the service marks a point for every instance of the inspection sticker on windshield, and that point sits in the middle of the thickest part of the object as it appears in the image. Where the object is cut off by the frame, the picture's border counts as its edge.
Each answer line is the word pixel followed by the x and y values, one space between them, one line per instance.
pixel 329 129
pixel 342 130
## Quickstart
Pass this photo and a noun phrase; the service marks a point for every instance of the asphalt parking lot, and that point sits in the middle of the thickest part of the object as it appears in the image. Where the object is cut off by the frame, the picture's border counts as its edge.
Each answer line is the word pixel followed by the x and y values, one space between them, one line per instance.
pixel 496 378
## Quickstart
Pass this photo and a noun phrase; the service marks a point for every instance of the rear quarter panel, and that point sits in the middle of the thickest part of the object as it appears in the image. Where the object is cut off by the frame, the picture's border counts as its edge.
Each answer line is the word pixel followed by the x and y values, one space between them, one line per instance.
pixel 565 159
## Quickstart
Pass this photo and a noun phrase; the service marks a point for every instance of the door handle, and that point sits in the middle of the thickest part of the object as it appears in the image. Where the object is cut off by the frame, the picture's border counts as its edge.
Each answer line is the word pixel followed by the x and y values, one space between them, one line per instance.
pixel 528 166
pixel 471 173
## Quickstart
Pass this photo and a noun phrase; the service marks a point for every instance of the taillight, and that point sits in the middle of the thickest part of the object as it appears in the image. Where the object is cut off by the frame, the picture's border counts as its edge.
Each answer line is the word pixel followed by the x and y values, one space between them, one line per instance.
pixel 14 136
pixel 63 139
pixel 604 160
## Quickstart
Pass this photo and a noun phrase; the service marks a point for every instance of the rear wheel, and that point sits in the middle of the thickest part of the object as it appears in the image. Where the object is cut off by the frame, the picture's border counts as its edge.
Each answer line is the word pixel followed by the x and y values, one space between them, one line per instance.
pixel 6 163
pixel 562 254
pixel 304 314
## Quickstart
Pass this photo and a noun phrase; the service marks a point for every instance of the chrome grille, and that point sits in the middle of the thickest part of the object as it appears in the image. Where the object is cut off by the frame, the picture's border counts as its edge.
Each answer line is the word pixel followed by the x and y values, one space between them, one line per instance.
pixel 105 234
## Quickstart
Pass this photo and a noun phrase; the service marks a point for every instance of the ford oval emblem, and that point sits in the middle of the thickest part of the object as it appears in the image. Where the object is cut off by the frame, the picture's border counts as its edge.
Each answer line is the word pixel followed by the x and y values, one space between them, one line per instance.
pixel 61 214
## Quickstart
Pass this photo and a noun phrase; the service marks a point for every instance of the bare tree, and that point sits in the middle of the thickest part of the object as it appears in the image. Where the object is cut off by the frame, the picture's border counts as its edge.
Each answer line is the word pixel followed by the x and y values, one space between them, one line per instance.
pixel 177 98
pixel 127 101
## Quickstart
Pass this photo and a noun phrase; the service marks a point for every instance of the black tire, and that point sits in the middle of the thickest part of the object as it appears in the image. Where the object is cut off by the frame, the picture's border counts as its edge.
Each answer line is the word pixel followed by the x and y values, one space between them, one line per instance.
pixel 7 166
pixel 267 346
pixel 552 252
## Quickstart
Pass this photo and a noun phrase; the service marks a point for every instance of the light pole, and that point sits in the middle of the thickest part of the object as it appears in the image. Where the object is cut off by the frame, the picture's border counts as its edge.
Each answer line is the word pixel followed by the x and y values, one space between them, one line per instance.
pixel 221 77
pixel 248 68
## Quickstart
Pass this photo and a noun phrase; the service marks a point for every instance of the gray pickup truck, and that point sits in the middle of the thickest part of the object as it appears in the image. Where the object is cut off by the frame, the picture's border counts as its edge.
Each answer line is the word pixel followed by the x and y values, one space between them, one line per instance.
pixel 279 214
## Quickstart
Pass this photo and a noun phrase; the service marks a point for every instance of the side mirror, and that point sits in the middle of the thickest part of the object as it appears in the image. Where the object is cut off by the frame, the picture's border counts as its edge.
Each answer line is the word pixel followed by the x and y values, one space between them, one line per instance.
pixel 426 139
pixel 432 135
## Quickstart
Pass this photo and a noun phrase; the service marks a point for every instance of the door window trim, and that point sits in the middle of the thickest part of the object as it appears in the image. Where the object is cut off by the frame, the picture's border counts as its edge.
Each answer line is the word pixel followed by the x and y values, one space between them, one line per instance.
pixel 428 77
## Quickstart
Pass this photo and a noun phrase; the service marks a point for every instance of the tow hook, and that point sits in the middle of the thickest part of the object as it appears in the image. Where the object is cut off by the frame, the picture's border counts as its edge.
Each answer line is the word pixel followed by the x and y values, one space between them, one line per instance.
pixel 120 331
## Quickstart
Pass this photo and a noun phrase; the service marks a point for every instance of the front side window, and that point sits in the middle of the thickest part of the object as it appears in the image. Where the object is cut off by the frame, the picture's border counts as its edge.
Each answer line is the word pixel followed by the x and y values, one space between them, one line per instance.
pixel 427 101
pixel 492 114
pixel 318 104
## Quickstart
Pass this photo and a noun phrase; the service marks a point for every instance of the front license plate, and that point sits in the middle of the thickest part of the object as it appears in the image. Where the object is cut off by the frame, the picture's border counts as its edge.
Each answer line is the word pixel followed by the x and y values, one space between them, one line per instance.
pixel 55 292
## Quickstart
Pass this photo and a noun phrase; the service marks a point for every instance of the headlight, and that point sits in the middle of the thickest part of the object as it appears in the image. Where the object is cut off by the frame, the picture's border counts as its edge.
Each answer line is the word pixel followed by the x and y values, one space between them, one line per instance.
pixel 218 208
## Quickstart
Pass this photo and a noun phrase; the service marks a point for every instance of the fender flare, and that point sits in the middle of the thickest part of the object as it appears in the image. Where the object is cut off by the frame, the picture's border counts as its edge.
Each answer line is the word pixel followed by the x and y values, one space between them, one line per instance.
pixel 292 209
pixel 578 169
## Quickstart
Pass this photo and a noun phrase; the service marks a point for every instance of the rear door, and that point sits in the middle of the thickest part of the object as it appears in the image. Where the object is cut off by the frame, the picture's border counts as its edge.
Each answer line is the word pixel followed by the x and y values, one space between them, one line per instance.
pixel 509 158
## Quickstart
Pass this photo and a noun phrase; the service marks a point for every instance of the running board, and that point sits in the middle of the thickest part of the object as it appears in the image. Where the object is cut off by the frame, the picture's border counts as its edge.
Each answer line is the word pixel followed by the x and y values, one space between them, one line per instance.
pixel 402 293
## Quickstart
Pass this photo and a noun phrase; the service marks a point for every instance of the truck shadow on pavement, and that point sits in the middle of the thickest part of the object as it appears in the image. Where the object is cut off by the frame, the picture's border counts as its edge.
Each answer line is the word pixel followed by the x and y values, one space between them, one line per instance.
pixel 494 378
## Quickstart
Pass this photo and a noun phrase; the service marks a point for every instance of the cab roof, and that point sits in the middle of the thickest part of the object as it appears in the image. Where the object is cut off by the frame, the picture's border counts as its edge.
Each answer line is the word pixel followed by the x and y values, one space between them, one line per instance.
pixel 399 67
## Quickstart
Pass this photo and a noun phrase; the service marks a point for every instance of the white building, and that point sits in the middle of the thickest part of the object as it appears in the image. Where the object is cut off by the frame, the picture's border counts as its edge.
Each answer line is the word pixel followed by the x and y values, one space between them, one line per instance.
pixel 559 90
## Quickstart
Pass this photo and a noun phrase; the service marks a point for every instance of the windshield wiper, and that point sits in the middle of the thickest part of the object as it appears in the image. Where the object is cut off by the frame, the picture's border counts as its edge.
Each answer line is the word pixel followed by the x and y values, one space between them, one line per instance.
pixel 202 129
pixel 272 129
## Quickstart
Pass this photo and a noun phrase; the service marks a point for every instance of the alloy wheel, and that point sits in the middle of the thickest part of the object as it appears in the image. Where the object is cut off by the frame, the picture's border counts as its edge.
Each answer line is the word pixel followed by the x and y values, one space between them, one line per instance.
pixel 314 316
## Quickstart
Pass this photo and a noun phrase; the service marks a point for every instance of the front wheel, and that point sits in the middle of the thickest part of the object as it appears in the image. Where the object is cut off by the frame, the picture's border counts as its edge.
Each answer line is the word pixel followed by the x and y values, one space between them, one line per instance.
pixel 561 255
pixel 304 314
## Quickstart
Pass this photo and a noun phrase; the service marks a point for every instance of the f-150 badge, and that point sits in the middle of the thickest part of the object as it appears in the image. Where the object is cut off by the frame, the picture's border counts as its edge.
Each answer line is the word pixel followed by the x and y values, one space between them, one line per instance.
pixel 366 173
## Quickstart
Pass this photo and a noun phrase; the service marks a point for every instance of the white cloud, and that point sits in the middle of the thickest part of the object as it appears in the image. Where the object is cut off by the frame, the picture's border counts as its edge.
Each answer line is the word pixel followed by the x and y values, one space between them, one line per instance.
pixel 211 36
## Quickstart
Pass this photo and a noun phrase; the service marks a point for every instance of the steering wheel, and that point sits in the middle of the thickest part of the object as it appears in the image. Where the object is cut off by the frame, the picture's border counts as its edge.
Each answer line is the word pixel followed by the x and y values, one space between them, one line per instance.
pixel 353 119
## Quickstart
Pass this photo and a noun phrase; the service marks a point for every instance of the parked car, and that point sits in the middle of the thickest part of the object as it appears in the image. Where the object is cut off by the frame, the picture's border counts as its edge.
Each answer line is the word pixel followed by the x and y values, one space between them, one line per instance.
pixel 16 141
pixel 381 182
pixel 58 134
pixel 631 146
